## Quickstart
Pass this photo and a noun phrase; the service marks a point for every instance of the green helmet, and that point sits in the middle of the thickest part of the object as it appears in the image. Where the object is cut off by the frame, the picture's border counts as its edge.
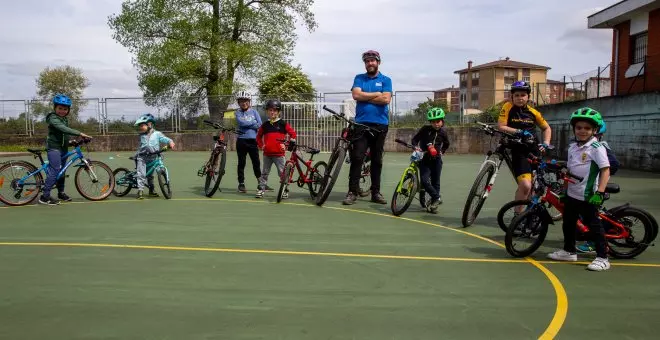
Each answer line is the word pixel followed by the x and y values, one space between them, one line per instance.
pixel 588 114
pixel 435 113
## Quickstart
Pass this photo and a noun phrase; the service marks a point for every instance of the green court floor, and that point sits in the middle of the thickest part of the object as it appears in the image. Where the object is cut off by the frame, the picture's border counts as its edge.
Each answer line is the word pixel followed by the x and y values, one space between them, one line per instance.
pixel 235 267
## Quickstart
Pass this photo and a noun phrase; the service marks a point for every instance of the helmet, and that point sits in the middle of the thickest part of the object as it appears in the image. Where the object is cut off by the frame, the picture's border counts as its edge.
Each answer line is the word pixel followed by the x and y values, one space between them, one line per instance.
pixel 435 113
pixel 371 54
pixel 242 95
pixel 603 128
pixel 61 99
pixel 587 114
pixel 521 86
pixel 145 118
pixel 274 103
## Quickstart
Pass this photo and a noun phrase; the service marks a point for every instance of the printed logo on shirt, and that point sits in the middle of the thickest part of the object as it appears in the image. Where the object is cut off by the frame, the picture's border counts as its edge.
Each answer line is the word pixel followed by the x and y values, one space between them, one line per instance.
pixel 379 84
pixel 584 157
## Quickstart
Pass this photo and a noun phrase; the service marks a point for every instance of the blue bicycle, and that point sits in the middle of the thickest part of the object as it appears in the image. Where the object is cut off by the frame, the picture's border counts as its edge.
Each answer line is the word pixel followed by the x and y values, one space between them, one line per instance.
pixel 21 181
pixel 126 180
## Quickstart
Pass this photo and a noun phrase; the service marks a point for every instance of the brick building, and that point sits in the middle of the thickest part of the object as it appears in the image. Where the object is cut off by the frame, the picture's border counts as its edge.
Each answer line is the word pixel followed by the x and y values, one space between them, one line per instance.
pixel 451 95
pixel 635 44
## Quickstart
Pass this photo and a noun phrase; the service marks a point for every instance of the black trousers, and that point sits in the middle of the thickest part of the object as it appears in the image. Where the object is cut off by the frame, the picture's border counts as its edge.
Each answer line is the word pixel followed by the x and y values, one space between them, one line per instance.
pixel 573 210
pixel 376 144
pixel 244 147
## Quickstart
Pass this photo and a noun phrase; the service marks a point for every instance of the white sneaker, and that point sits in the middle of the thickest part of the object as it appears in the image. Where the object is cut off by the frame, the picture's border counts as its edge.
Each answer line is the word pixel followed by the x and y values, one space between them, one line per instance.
pixel 563 255
pixel 599 264
pixel 285 195
pixel 260 194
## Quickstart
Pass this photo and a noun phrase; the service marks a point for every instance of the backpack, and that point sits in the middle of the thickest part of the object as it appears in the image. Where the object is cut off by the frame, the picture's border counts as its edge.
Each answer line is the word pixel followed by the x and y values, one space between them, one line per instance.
pixel 614 163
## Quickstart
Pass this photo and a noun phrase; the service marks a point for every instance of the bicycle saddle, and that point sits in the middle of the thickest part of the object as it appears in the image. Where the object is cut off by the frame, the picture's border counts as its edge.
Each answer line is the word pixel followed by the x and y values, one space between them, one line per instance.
pixel 313 151
pixel 612 188
pixel 36 151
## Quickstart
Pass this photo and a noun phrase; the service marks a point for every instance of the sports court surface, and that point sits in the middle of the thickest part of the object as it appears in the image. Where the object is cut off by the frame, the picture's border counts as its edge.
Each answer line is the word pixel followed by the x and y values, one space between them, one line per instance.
pixel 234 267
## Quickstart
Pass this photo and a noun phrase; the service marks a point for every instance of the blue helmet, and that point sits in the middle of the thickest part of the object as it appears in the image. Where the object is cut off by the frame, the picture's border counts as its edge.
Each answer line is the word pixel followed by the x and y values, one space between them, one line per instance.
pixel 145 118
pixel 61 99
pixel 603 128
pixel 521 86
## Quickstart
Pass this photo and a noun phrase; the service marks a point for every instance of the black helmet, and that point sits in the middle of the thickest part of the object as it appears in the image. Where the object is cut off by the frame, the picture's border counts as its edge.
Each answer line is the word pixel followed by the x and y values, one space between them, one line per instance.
pixel 274 103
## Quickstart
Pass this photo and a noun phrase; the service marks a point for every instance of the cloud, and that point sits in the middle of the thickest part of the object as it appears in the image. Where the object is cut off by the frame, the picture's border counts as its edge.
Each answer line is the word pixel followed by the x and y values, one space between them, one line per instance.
pixel 422 42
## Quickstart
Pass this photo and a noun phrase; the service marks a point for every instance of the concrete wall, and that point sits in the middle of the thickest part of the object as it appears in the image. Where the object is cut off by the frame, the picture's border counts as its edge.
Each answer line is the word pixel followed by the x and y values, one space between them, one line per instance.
pixel 633 127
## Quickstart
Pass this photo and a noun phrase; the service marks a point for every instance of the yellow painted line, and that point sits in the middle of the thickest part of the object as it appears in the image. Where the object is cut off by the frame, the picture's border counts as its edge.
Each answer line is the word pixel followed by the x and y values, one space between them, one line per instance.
pixel 617 264
pixel 259 251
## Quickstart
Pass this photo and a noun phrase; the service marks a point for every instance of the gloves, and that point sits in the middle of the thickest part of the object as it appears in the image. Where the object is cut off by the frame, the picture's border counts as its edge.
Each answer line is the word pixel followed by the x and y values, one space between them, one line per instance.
pixel 597 198
pixel 524 133
pixel 292 144
pixel 432 150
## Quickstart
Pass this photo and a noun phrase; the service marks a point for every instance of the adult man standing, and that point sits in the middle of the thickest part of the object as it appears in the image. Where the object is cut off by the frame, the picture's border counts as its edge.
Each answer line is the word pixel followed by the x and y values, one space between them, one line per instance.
pixel 248 122
pixel 373 92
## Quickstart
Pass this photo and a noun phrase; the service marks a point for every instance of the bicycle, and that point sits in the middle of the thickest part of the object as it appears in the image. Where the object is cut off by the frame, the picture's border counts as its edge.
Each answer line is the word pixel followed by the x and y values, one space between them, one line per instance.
pixel 126 180
pixel 343 143
pixel 26 180
pixel 311 176
pixel 617 222
pixel 214 168
pixel 409 190
pixel 365 175
pixel 488 171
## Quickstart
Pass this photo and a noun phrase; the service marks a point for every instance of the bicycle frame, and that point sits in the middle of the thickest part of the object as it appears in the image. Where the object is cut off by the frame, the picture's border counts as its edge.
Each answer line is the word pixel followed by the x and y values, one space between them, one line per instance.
pixel 77 155
pixel 414 168
pixel 298 161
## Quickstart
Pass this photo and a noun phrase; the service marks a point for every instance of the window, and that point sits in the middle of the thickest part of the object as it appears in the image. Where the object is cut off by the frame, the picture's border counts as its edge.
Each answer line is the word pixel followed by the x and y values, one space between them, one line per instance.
pixel 525 75
pixel 475 75
pixel 474 96
pixel 639 43
pixel 475 89
pixel 507 87
pixel 463 76
pixel 510 73
pixel 475 82
pixel 475 104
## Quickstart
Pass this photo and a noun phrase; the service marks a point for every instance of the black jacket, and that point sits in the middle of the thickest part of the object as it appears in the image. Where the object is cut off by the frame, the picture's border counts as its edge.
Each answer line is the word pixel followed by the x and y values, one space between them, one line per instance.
pixel 427 134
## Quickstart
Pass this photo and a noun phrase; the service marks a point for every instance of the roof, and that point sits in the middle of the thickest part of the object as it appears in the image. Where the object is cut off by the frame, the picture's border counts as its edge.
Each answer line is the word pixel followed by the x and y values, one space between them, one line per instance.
pixel 550 81
pixel 505 63
pixel 620 12
pixel 453 88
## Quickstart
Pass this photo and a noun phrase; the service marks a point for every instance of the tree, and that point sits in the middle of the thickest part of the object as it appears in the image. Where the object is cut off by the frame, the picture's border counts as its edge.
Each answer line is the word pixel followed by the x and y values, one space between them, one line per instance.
pixel 288 84
pixel 195 48
pixel 423 107
pixel 66 80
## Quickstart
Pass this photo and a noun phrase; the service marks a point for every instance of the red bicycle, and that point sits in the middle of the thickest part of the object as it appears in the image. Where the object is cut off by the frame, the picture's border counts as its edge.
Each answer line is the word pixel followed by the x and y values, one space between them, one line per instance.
pixel 312 175
pixel 624 242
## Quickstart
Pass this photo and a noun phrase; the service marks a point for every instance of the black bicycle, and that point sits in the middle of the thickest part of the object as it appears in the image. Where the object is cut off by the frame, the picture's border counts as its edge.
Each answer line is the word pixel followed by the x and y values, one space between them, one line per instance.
pixel 214 168
pixel 345 141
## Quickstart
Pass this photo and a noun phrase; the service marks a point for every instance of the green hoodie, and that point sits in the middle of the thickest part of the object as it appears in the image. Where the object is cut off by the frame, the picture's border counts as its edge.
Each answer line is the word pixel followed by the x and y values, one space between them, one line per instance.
pixel 58 129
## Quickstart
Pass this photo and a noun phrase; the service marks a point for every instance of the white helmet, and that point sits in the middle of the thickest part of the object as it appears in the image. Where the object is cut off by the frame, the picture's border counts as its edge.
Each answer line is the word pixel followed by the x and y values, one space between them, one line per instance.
pixel 243 95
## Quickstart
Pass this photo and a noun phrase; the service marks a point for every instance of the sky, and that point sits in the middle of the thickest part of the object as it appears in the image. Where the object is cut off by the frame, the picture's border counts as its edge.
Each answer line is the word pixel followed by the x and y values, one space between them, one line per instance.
pixel 422 42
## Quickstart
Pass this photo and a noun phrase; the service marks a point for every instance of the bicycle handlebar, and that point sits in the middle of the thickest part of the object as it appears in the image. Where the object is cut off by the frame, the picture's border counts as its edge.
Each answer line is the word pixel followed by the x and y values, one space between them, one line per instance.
pixel 78 142
pixel 404 143
pixel 343 117
pixel 219 126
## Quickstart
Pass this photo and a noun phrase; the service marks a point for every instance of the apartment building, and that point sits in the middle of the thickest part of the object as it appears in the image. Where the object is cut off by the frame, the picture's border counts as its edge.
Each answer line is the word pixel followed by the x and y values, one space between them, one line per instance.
pixel 450 95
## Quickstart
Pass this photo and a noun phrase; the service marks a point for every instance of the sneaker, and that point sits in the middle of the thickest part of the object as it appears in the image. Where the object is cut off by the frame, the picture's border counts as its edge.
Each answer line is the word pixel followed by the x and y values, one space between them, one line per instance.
pixel 260 193
pixel 153 194
pixel 433 206
pixel 285 194
pixel 350 199
pixel 378 198
pixel 140 194
pixel 269 189
pixel 563 255
pixel 48 200
pixel 241 188
pixel 599 264
pixel 64 197
pixel 586 248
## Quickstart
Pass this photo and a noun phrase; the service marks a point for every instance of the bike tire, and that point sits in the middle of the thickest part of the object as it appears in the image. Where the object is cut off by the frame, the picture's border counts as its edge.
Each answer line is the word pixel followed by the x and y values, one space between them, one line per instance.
pixel 332 173
pixel 121 190
pixel 284 180
pixel 515 224
pixel 164 182
pixel 639 246
pixel 398 210
pixel 365 180
pixel 105 191
pixel 38 179
pixel 469 216
pixel 317 176
pixel 503 221
pixel 211 187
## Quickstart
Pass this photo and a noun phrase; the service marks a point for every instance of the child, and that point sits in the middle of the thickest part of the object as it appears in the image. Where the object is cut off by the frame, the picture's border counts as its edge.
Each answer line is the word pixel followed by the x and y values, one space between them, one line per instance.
pixel 267 140
pixel 587 158
pixel 57 146
pixel 150 141
pixel 432 139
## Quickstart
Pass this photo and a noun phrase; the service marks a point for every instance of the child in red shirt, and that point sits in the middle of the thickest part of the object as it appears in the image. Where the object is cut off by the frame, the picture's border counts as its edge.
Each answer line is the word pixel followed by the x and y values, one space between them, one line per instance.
pixel 268 137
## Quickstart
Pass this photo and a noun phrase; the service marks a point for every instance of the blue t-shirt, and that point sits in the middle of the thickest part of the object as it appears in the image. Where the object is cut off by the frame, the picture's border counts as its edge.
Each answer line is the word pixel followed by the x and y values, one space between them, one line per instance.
pixel 368 112
pixel 248 123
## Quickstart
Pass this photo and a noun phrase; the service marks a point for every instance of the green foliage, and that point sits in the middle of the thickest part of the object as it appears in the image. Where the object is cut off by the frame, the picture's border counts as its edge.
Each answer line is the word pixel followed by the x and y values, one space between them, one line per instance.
pixel 424 107
pixel 199 48
pixel 66 80
pixel 491 114
pixel 288 84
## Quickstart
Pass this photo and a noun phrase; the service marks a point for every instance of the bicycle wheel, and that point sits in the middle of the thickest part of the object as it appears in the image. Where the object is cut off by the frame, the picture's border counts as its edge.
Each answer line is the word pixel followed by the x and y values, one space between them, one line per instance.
pixel 476 197
pixel 214 174
pixel 526 226
pixel 10 173
pixel 284 180
pixel 506 213
pixel 331 174
pixel 102 181
pixel 636 243
pixel 406 189
pixel 123 182
pixel 365 180
pixel 164 182
pixel 317 176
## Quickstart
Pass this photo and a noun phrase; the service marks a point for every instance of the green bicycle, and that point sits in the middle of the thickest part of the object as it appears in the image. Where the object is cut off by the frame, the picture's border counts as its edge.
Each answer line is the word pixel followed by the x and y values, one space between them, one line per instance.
pixel 127 180
pixel 409 185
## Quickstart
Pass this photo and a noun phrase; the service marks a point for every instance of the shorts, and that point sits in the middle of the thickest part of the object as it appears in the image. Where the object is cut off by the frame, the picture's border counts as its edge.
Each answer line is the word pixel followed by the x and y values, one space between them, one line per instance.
pixel 522 170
